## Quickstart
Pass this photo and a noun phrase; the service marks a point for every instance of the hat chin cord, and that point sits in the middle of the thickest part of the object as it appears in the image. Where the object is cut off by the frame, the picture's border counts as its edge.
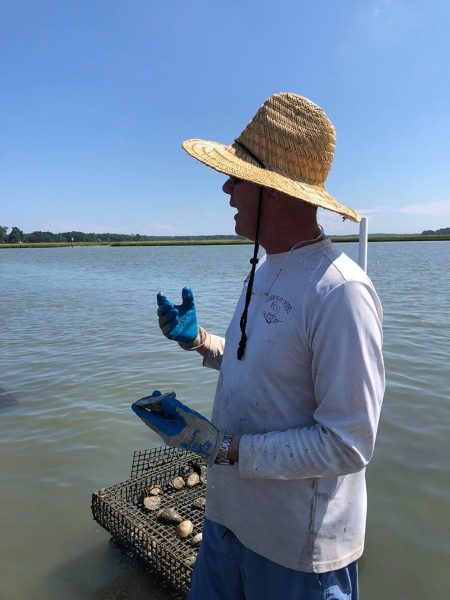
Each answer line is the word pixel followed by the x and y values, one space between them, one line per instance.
pixel 253 261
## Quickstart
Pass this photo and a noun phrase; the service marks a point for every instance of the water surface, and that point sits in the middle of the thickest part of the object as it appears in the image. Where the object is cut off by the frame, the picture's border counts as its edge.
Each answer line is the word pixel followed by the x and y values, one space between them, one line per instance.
pixel 79 342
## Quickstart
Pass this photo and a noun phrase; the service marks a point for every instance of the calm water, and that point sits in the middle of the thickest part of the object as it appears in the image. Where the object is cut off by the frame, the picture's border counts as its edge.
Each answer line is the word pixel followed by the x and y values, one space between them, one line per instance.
pixel 79 342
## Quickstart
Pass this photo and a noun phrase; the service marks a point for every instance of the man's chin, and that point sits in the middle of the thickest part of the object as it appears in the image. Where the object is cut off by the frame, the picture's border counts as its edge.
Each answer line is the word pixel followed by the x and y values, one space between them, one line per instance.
pixel 238 231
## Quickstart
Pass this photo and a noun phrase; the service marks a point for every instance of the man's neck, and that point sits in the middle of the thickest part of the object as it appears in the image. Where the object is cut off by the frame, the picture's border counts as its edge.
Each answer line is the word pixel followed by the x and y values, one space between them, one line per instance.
pixel 289 241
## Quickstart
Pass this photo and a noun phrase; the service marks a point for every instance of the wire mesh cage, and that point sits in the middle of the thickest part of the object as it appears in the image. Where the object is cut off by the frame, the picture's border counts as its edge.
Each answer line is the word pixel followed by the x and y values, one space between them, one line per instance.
pixel 135 511
pixel 135 580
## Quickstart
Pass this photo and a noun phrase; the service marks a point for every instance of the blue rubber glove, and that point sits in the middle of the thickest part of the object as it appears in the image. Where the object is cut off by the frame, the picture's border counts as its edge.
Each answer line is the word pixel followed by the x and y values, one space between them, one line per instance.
pixel 182 427
pixel 178 321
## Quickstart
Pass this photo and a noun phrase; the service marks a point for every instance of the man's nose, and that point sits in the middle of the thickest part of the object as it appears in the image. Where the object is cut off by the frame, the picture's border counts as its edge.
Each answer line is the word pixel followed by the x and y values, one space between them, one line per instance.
pixel 227 188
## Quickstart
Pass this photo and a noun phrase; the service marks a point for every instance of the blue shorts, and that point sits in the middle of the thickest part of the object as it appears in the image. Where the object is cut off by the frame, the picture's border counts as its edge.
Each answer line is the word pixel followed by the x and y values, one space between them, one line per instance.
pixel 227 570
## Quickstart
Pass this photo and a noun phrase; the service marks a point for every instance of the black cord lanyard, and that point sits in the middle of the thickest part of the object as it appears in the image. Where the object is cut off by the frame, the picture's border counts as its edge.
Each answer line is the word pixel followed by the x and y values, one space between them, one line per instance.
pixel 253 261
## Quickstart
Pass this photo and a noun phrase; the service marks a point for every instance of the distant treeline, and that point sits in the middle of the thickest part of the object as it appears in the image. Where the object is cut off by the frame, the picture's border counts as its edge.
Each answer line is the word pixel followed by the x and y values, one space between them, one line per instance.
pixel 16 236
pixel 444 231
pixel 78 236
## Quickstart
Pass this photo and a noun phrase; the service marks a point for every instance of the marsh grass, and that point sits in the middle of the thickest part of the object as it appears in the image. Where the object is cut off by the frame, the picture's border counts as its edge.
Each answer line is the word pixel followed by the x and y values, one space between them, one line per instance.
pixel 232 242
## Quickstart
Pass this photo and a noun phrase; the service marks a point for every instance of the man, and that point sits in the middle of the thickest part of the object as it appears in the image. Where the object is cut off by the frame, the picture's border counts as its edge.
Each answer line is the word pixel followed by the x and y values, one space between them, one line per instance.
pixel 301 378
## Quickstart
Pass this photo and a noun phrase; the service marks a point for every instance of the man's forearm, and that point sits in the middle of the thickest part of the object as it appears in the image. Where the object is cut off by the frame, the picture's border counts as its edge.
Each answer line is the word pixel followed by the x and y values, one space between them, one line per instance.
pixel 233 451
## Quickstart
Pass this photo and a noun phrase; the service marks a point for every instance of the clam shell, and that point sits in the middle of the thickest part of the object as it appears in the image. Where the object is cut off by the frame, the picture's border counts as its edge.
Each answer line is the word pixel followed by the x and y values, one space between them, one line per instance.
pixel 152 502
pixel 185 528
pixel 155 491
pixel 169 516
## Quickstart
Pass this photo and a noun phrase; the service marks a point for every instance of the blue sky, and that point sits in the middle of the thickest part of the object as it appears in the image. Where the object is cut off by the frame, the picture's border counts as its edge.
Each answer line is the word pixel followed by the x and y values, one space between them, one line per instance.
pixel 96 97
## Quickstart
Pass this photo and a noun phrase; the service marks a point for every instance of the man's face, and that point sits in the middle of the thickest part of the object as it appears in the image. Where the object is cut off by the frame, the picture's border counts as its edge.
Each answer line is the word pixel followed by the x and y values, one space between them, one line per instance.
pixel 244 196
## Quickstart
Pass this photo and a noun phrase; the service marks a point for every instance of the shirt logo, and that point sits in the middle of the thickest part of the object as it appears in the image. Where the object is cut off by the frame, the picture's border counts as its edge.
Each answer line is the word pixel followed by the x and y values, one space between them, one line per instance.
pixel 275 310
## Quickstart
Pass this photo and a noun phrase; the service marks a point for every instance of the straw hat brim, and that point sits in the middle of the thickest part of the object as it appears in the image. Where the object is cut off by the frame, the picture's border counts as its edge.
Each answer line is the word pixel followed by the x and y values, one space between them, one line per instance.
pixel 224 160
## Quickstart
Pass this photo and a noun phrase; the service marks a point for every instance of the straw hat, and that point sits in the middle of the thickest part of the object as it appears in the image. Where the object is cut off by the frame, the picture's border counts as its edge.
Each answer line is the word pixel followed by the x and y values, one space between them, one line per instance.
pixel 287 146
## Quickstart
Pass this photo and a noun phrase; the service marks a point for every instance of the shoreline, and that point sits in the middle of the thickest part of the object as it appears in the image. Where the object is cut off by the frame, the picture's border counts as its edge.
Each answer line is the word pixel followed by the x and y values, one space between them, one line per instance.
pixel 228 242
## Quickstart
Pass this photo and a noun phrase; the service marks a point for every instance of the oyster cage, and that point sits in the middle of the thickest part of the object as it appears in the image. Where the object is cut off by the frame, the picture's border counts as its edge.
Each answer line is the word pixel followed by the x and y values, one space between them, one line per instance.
pixel 120 510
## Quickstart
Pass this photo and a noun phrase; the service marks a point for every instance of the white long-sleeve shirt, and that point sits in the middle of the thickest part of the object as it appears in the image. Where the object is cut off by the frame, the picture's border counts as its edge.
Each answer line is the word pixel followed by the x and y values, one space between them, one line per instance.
pixel 306 400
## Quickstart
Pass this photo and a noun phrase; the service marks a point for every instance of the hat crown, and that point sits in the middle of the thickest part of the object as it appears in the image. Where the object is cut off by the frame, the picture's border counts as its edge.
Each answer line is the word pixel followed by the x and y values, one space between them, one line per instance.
pixel 292 136
pixel 287 146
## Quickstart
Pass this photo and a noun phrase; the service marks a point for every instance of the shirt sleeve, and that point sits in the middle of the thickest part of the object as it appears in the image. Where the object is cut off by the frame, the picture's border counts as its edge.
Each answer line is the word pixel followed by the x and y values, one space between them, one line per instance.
pixel 213 359
pixel 345 341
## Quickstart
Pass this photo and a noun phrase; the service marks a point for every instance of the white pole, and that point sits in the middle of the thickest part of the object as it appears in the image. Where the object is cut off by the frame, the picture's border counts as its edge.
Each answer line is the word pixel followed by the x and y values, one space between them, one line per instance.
pixel 363 243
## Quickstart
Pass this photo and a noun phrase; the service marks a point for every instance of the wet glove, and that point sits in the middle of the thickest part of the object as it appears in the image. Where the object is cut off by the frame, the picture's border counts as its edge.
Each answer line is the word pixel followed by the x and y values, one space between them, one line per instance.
pixel 178 322
pixel 182 427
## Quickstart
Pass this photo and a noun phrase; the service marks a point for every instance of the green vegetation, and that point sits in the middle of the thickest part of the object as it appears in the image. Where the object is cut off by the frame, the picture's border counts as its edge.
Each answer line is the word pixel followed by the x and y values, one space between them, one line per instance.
pixel 444 231
pixel 14 237
pixel 78 237
pixel 194 241
pixel 45 239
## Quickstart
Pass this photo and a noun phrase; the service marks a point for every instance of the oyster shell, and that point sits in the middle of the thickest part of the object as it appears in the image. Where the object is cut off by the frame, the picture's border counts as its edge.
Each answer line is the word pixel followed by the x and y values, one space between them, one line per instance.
pixel 152 502
pixel 201 470
pixel 169 516
pixel 177 483
pixel 199 503
pixel 192 479
pixel 197 539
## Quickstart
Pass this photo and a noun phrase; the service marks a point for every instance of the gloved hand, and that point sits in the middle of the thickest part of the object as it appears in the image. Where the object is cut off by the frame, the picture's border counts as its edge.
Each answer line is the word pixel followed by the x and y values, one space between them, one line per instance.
pixel 182 427
pixel 179 321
